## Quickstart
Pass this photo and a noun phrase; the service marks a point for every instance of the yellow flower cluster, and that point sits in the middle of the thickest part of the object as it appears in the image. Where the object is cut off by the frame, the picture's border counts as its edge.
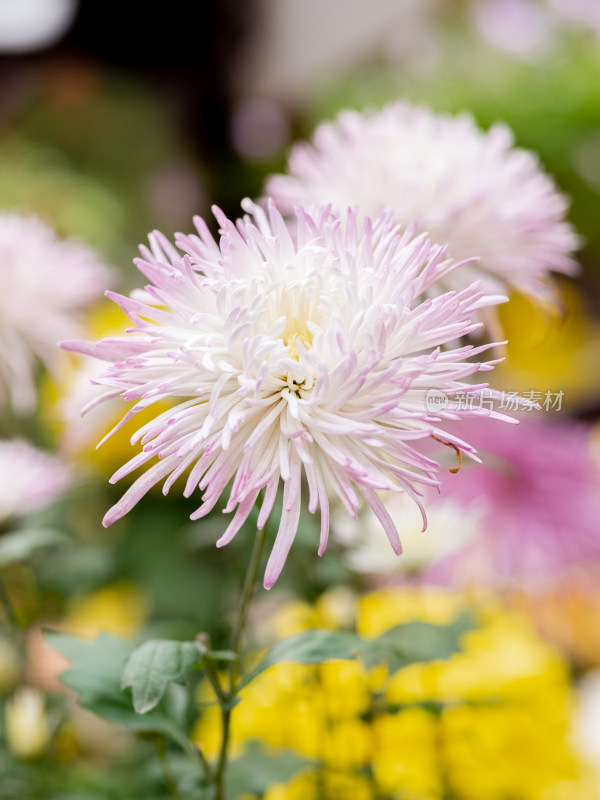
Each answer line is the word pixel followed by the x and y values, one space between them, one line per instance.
pixel 548 350
pixel 119 608
pixel 490 723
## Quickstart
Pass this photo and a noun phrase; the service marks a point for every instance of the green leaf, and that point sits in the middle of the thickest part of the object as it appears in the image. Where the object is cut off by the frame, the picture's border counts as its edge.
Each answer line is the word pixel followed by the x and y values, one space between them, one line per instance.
pixel 309 647
pixel 95 675
pixel 398 647
pixel 97 665
pixel 121 713
pixel 156 663
pixel 258 769
pixel 19 545
pixel 416 642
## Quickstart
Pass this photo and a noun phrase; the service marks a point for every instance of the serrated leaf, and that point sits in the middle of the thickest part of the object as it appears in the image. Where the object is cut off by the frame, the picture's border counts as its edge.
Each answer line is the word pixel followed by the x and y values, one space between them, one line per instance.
pixel 405 644
pixel 95 675
pixel 20 545
pixel 121 713
pixel 415 642
pixel 97 665
pixel 156 663
pixel 309 647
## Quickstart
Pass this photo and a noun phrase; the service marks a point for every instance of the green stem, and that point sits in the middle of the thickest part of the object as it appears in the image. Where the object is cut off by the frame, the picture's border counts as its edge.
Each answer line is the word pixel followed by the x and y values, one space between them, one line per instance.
pixel 165 767
pixel 227 698
pixel 223 754
pixel 213 678
pixel 203 761
pixel 11 615
pixel 245 600
pixel 194 752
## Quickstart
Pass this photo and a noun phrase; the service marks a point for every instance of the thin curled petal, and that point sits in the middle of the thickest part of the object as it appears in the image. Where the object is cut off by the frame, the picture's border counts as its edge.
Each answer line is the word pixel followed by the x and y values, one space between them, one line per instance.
pixel 289 355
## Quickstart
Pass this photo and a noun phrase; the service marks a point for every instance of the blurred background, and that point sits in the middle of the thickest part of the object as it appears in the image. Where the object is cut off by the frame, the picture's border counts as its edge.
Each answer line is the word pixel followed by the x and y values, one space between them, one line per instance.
pixel 113 124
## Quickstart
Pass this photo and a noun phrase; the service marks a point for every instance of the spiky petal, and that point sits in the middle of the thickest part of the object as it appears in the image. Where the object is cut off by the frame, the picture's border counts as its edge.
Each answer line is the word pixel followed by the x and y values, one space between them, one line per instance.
pixel 291 356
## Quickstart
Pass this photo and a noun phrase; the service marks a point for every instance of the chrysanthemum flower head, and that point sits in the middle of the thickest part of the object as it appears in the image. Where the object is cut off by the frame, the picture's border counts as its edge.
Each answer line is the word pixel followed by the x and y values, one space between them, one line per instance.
pixel 31 478
pixel 45 283
pixel 538 500
pixel 290 356
pixel 467 188
pixel 451 525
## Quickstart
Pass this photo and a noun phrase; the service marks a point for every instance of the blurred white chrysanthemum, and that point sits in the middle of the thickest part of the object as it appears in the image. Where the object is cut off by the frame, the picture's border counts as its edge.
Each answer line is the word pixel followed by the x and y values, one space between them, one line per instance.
pixel 45 282
pixel 468 189
pixel 31 478
pixel 288 353
pixel 450 526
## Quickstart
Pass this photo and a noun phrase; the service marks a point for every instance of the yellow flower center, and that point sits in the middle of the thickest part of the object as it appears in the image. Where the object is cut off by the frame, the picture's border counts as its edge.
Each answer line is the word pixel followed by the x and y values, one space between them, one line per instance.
pixel 296 331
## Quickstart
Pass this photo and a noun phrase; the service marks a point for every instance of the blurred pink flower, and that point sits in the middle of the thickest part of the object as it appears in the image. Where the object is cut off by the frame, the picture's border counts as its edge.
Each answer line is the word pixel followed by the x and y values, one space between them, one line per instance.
pixel 538 497
pixel 580 13
pixel 289 354
pixel 31 478
pixel 45 282
pixel 468 189
pixel 521 27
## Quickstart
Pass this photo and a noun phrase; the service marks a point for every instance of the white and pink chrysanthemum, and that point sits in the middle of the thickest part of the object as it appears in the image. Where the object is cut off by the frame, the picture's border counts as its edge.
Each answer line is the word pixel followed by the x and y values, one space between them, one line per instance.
pixel 451 526
pixel 45 283
pixel 31 478
pixel 290 356
pixel 468 189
